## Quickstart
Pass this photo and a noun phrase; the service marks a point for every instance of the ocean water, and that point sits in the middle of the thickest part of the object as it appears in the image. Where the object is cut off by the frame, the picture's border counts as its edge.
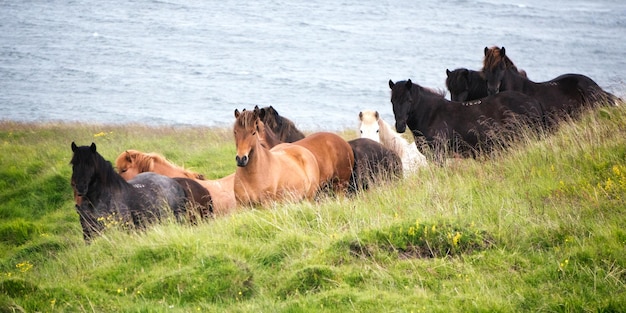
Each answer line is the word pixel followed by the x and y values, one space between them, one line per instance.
pixel 317 62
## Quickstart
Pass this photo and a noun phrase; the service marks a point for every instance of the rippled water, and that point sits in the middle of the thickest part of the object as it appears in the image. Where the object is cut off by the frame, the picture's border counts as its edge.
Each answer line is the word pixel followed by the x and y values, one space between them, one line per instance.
pixel 317 62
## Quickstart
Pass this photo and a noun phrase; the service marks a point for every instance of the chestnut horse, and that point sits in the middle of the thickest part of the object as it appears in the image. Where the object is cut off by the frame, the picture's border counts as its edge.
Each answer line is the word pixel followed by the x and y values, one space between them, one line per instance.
pixel 132 162
pixel 373 127
pixel 467 128
pixel 333 154
pixel 283 127
pixel 563 96
pixel 285 172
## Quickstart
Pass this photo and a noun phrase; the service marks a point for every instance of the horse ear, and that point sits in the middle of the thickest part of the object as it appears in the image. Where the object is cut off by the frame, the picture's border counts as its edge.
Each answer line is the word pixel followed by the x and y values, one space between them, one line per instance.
pixel 408 84
pixel 74 147
pixel 236 113
pixel 262 113
pixel 93 147
pixel 361 115
pixel 448 72
pixel 377 115
pixel 129 157
pixel 502 51
pixel 391 84
pixel 486 49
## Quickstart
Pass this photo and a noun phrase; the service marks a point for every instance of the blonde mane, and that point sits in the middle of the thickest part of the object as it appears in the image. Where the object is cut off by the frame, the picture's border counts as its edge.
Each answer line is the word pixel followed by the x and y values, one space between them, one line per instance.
pixel 145 162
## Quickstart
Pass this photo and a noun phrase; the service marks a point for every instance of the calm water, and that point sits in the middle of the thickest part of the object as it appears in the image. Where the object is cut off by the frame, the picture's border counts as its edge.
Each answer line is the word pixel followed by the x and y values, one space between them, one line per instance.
pixel 317 62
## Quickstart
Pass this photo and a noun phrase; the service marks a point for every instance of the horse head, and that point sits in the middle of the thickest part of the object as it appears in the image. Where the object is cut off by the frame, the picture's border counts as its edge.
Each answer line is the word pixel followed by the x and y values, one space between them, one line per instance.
pixel 402 100
pixel 83 168
pixel 369 127
pixel 128 164
pixel 494 66
pixel 246 135
pixel 458 83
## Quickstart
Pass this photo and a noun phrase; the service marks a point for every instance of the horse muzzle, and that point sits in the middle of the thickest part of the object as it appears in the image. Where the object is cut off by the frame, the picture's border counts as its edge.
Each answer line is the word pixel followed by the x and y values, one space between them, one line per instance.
pixel 401 127
pixel 242 161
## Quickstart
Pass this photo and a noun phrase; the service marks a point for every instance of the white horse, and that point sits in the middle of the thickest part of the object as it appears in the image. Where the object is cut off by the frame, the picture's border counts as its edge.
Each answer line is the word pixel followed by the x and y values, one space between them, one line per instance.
pixel 375 128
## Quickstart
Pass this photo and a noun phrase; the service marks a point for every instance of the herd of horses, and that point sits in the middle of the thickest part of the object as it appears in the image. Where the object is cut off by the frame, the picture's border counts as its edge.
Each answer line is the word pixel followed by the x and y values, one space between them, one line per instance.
pixel 277 162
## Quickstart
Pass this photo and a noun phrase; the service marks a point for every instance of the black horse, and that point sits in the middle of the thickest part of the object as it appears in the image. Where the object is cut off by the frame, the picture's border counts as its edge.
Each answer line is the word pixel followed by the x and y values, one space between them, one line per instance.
pixel 283 127
pixel 566 95
pixel 465 84
pixel 465 128
pixel 106 199
pixel 373 163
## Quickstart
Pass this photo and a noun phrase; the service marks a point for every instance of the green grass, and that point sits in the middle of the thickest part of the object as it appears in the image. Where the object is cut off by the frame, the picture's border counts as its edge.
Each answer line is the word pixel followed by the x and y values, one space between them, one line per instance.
pixel 540 227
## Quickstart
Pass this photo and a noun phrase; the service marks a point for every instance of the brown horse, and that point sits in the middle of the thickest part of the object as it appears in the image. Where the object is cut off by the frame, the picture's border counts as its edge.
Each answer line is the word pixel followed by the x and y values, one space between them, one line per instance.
pixel 198 198
pixel 285 172
pixel 334 155
pixel 563 96
pixel 284 128
pixel 132 162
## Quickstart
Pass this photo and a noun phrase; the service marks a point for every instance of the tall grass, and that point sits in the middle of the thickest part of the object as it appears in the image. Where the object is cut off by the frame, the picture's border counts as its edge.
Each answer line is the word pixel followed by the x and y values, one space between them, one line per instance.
pixel 538 227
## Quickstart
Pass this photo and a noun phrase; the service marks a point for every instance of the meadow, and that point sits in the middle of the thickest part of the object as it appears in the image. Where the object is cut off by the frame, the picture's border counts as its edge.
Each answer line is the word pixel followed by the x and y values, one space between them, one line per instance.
pixel 539 227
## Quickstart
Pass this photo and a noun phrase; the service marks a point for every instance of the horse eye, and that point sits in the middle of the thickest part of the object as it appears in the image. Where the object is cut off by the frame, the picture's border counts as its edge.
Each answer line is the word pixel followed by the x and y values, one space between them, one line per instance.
pixel 361 131
pixel 124 170
pixel 377 131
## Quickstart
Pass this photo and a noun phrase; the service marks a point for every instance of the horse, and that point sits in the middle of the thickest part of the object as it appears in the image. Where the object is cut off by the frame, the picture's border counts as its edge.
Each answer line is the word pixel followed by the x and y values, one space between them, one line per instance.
pixel 465 84
pixel 333 154
pixel 198 198
pixel 132 162
pixel 285 172
pixel 467 128
pixel 106 198
pixel 373 163
pixel 375 128
pixel 283 127
pixel 563 96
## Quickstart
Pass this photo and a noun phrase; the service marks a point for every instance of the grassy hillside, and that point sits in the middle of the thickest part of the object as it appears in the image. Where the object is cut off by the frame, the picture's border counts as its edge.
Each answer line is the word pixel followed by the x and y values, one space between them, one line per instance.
pixel 540 227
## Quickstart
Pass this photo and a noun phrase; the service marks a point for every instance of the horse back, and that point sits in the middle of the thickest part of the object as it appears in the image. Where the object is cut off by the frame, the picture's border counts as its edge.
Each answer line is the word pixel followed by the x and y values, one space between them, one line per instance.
pixel 334 157
pixel 153 196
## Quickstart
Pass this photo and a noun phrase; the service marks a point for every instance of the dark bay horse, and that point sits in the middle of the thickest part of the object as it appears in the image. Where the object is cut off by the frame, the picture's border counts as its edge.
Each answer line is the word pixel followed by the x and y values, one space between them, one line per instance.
pixel 283 127
pixel 373 163
pixel 465 85
pixel 467 128
pixel 562 96
pixel 107 199
pixel 199 201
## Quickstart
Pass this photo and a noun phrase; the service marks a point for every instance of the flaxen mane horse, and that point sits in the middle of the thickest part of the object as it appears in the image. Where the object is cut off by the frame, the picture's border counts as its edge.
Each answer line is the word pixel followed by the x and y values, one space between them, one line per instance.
pixel 286 172
pixel 132 162
pixel 466 128
pixel 563 96
pixel 107 199
pixel 372 126
pixel 284 128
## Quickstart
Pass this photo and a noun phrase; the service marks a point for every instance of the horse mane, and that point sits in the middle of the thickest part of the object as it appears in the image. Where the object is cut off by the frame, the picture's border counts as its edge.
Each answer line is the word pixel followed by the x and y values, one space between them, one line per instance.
pixel 390 138
pixel 284 129
pixel 246 119
pixel 496 56
pixel 145 163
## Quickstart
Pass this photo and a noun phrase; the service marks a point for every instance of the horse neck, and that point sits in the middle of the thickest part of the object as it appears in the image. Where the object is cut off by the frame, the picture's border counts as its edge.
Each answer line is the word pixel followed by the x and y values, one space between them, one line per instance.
pixel 260 161
pixel 171 170
pixel 390 138
pixel 514 81
pixel 108 183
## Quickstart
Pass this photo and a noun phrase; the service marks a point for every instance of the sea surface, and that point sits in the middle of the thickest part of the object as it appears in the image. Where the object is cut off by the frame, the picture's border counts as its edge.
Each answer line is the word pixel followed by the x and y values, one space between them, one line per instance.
pixel 316 62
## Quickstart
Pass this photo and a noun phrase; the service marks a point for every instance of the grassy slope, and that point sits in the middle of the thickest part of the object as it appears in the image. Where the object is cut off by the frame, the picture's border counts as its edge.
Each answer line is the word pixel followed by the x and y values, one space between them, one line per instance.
pixel 540 227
